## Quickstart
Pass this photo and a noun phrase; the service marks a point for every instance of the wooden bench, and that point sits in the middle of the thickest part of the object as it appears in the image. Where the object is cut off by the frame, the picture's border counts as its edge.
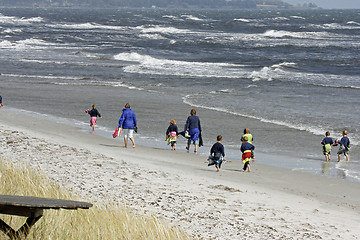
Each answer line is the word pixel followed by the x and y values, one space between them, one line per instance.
pixel 32 208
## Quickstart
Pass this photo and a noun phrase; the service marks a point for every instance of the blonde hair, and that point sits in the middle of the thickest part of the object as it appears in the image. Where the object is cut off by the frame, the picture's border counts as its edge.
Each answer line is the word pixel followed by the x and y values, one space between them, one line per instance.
pixel 345 132
pixel 173 122
pixel 93 106
pixel 127 105
pixel 245 138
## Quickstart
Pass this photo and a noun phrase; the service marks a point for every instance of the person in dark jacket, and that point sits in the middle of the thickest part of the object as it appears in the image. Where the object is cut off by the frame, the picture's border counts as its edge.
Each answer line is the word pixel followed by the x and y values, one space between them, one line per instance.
pixel 1 104
pixel 128 123
pixel 94 113
pixel 217 153
pixel 193 128
pixel 246 149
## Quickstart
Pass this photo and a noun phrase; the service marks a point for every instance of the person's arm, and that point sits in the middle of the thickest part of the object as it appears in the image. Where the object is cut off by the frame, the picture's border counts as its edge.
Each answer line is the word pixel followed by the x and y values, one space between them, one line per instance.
pixel 223 150
pixel 199 125
pixel 323 142
pixel 176 130
pixel 135 122
pixel 98 113
pixel 168 131
pixel 212 149
pixel 121 120
pixel 187 124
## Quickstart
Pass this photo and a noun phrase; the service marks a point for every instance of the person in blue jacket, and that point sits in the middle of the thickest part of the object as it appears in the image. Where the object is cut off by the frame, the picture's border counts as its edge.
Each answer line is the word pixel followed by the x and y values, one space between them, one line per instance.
pixel 1 104
pixel 193 128
pixel 128 123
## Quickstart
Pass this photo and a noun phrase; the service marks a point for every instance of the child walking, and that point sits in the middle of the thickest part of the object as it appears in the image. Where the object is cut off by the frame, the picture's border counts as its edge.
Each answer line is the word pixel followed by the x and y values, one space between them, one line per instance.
pixel 344 146
pixel 94 113
pixel 171 134
pixel 246 149
pixel 327 142
pixel 217 153
pixel 250 140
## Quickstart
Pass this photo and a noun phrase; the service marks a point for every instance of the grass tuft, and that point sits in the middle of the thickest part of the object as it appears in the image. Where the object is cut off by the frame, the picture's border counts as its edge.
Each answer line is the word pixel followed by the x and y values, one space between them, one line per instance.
pixel 108 221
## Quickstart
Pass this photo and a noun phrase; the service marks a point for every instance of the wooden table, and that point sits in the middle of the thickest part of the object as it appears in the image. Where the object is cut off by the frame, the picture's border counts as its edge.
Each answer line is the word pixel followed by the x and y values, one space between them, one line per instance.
pixel 32 208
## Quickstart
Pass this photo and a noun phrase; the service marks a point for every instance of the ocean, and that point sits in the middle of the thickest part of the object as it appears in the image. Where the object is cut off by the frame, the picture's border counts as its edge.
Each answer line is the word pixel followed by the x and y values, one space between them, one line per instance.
pixel 288 76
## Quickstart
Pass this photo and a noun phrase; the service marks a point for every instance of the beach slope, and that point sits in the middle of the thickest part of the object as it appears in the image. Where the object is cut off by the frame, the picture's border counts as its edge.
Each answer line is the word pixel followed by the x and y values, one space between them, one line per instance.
pixel 268 203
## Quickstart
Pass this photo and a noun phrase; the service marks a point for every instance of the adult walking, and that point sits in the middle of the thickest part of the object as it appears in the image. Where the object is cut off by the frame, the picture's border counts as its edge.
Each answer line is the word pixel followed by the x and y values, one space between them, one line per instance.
pixel 193 128
pixel 128 123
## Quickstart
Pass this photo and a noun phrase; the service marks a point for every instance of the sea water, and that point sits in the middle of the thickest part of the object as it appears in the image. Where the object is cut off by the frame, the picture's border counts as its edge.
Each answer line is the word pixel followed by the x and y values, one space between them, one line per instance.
pixel 288 76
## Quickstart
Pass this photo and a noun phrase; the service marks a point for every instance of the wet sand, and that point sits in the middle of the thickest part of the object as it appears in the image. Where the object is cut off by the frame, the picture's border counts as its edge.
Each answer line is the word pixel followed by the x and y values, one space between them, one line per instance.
pixel 179 187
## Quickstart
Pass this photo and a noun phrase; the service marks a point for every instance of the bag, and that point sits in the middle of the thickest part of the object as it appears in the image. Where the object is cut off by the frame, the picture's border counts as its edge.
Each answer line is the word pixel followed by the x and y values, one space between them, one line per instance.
pixel 136 129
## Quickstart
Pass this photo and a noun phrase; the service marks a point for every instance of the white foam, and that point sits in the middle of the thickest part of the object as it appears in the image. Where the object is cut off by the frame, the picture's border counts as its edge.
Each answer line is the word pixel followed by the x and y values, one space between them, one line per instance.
pixel 298 17
pixel 191 17
pixel 88 26
pixel 16 20
pixel 161 29
pixel 146 64
pixel 287 34
pixel 152 36
pixel 242 20
pixel 31 43
pixel 10 31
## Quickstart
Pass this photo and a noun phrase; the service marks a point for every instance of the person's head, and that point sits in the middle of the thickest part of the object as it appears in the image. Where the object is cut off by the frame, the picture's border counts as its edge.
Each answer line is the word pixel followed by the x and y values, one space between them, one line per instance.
pixel 173 122
pixel 245 139
pixel 127 105
pixel 246 131
pixel 345 132
pixel 219 138
pixel 93 106
pixel 193 112
pixel 327 134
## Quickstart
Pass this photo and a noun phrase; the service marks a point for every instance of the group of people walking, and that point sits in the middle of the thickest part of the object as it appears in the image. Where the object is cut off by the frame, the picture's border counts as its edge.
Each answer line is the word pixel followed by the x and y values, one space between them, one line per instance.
pixel 192 132
pixel 344 148
pixel 127 123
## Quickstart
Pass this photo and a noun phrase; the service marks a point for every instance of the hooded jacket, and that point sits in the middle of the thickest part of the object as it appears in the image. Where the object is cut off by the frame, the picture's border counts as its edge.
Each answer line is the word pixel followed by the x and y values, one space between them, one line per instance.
pixel 127 119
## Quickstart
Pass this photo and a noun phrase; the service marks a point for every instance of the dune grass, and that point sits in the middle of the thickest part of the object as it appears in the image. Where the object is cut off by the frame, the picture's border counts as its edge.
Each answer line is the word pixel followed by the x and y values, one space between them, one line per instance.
pixel 108 221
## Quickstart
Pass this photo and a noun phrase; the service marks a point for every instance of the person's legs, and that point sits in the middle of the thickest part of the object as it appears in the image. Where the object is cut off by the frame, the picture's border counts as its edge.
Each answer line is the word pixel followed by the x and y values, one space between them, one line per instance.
pixel 188 145
pixel 125 141
pixel 196 148
pixel 133 141
pixel 347 157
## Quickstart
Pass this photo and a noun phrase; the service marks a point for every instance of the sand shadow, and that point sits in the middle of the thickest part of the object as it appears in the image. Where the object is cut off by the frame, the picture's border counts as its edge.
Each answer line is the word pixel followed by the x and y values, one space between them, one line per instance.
pixel 110 145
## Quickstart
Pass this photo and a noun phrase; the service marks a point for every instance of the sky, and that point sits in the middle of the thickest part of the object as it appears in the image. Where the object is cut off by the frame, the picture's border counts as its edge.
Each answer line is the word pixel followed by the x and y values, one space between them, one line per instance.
pixel 329 4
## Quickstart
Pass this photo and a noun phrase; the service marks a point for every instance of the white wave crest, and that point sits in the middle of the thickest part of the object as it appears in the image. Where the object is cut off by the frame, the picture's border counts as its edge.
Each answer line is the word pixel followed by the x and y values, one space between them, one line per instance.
pixel 31 43
pixel 10 31
pixel 272 72
pixel 88 26
pixel 146 64
pixel 16 20
pixel 191 17
pixel 242 20
pixel 161 29
pixel 298 17
pixel 287 34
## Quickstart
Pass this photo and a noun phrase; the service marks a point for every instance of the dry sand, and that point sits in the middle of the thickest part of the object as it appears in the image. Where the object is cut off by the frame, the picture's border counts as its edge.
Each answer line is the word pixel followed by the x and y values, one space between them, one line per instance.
pixel 268 203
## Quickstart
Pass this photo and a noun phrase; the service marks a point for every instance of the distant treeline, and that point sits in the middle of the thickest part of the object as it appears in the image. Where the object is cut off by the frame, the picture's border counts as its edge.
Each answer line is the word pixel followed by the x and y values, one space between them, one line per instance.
pixel 184 4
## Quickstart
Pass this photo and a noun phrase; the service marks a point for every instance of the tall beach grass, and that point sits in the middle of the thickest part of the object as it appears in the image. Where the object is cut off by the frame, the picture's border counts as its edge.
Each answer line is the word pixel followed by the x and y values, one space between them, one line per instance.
pixel 107 221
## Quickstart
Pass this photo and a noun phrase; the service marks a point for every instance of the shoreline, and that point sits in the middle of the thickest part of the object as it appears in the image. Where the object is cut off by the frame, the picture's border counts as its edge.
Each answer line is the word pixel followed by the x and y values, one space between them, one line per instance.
pixel 269 202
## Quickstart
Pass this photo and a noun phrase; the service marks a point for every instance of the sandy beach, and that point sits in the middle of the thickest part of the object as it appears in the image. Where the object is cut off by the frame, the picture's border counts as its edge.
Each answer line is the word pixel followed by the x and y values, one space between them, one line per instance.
pixel 179 187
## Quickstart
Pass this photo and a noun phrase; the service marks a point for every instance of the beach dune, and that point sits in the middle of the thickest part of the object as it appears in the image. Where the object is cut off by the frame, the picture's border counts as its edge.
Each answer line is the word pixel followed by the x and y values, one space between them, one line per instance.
pixel 268 203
